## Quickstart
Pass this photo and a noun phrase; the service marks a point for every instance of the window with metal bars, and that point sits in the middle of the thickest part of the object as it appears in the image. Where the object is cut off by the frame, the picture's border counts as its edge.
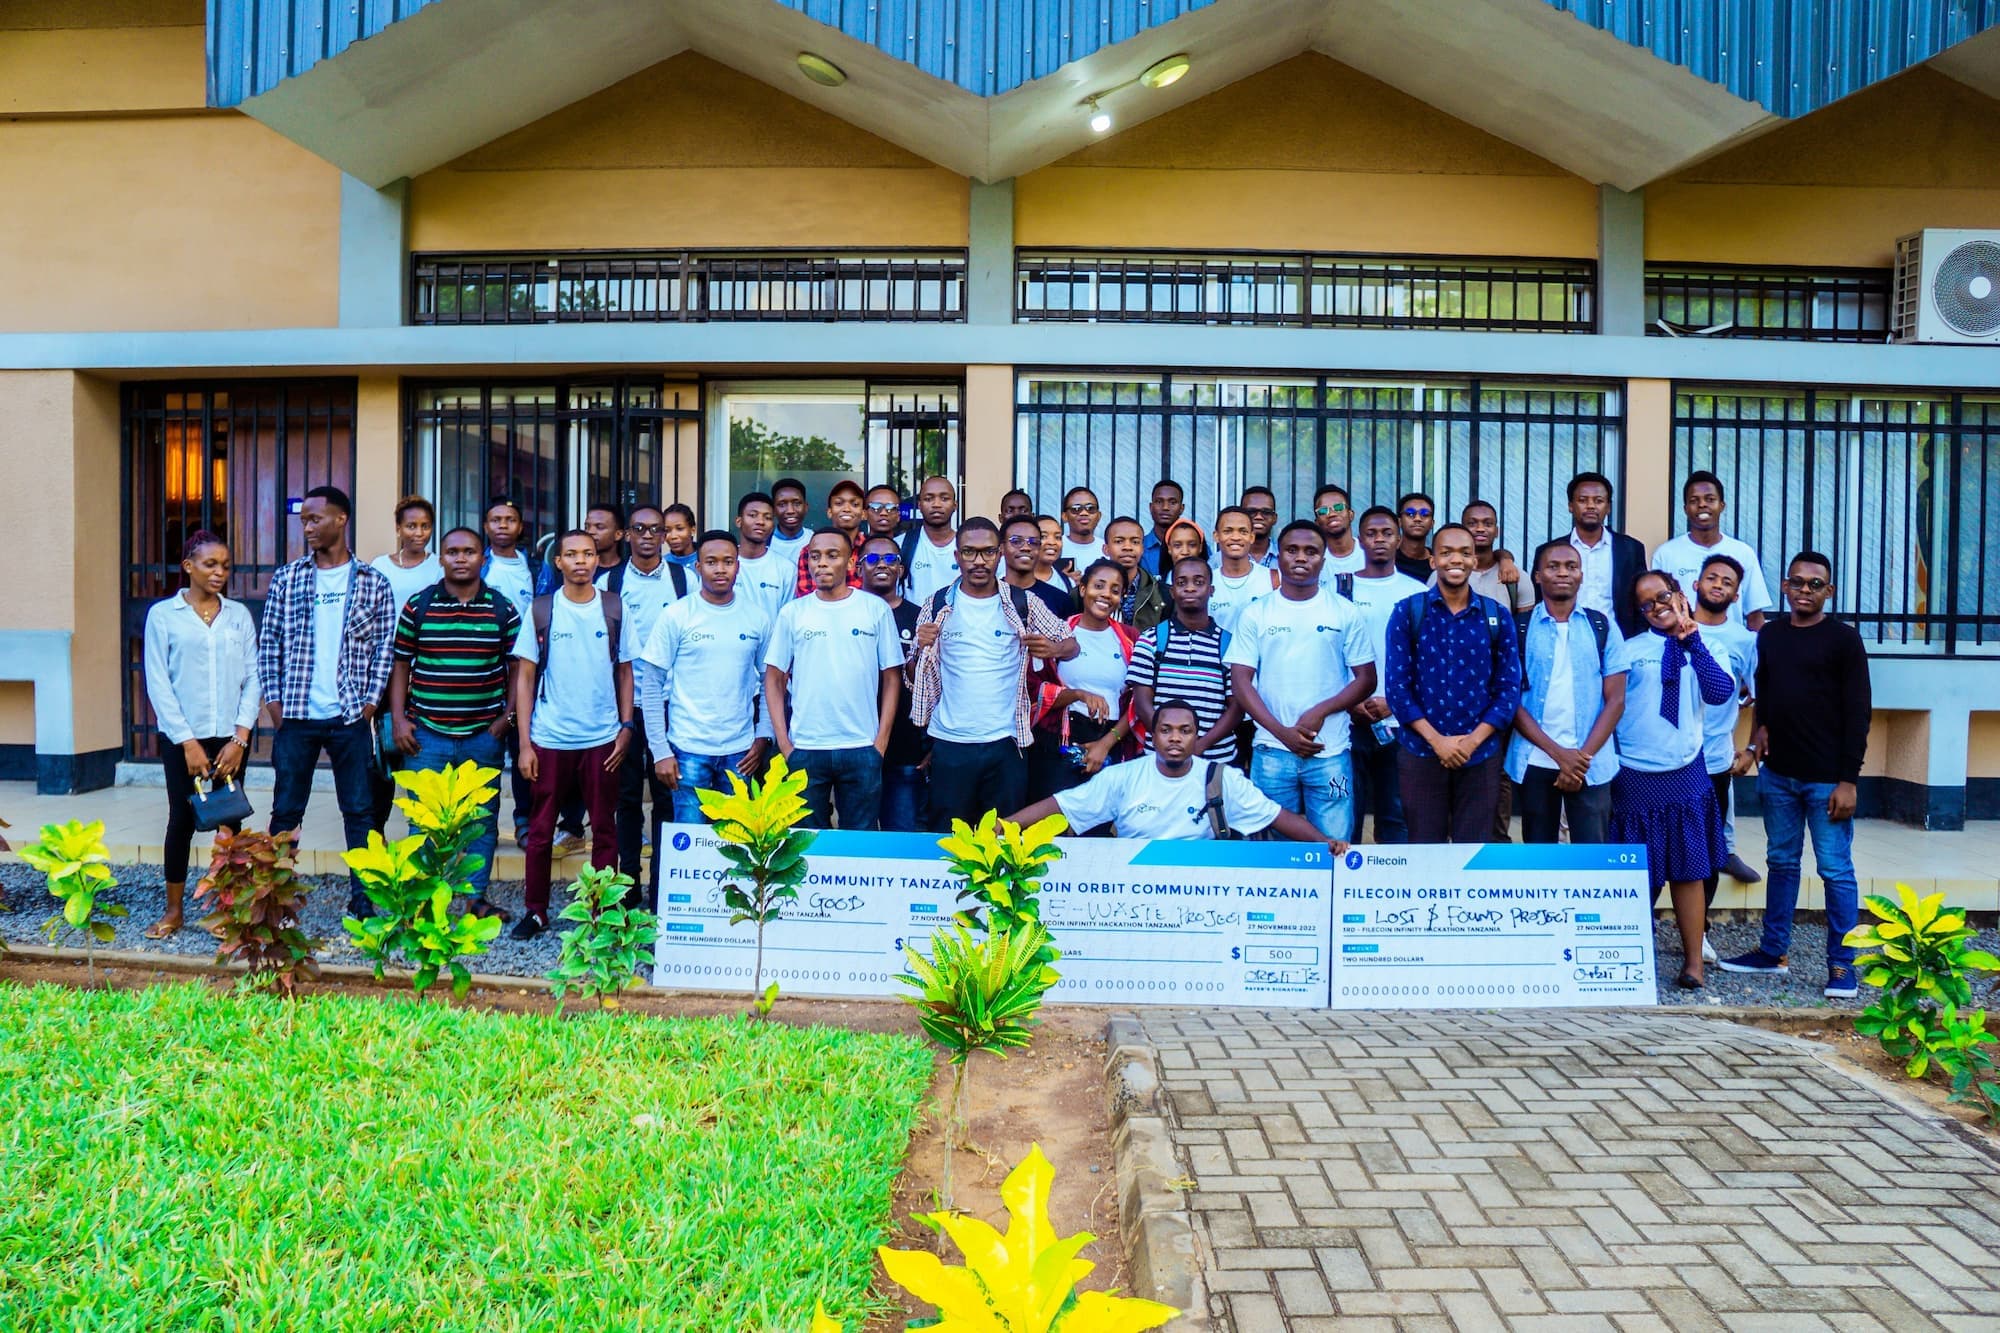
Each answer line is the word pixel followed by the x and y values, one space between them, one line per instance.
pixel 1332 291
pixel 230 458
pixel 1900 490
pixel 1801 304
pixel 666 286
pixel 1513 444
pixel 553 447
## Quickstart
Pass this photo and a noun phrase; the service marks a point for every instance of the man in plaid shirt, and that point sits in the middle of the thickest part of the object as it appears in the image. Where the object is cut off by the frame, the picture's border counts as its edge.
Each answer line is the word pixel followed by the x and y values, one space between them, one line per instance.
pixel 971 680
pixel 323 656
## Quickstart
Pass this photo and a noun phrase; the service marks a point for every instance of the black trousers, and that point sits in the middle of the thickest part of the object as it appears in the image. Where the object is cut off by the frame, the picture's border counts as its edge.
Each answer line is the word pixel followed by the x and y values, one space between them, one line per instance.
pixel 1721 782
pixel 1448 804
pixel 180 815
pixel 1543 808
pixel 635 780
pixel 967 780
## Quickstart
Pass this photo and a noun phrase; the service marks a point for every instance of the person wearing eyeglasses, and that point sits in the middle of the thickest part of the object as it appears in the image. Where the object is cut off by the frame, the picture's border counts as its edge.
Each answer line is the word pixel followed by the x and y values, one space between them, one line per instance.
pixel 882 512
pixel 1612 561
pixel 905 793
pixel 1166 504
pixel 1661 797
pixel 1416 515
pixel 1333 513
pixel 645 584
pixel 972 678
pixel 930 548
pixel 1080 515
pixel 1813 701
pixel 1260 503
pixel 1025 548
pixel 846 510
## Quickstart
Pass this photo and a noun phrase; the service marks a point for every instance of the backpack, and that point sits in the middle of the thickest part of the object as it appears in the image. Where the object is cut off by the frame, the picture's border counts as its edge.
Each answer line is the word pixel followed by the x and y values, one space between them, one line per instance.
pixel 1344 585
pixel 614 582
pixel 544 611
pixel 946 595
pixel 1212 807
pixel 1494 632
pixel 1598 626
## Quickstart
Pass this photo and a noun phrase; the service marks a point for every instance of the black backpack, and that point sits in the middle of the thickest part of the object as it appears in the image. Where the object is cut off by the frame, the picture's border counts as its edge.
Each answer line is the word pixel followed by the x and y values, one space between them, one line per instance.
pixel 1018 596
pixel 1598 626
pixel 1212 808
pixel 544 611
pixel 614 582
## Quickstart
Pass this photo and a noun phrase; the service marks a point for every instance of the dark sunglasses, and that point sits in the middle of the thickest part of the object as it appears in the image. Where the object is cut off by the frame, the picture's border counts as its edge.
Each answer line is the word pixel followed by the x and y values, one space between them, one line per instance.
pixel 1325 510
pixel 1260 511
pixel 880 558
pixel 1809 585
pixel 1414 512
pixel 646 529
pixel 1082 509
pixel 883 506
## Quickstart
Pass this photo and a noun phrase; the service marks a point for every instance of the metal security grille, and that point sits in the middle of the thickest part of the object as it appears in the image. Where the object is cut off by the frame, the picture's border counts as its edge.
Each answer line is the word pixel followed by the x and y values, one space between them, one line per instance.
pixel 230 458
pixel 552 447
pixel 1806 305
pixel 1898 490
pixel 913 434
pixel 1513 444
pixel 688 285
pixel 1334 291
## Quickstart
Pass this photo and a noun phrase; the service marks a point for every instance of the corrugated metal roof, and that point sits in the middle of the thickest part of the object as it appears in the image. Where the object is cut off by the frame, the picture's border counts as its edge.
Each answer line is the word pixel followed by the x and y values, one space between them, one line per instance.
pixel 253 45
pixel 1791 57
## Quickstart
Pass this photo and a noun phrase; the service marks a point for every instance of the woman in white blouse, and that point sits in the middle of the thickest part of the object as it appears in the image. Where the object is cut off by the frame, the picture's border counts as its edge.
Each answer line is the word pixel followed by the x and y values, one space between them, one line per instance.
pixel 201 678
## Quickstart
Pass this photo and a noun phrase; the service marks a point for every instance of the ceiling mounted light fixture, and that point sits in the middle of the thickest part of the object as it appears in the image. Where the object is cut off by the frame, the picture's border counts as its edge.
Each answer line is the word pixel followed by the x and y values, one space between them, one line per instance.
pixel 1164 73
pixel 1100 119
pixel 821 70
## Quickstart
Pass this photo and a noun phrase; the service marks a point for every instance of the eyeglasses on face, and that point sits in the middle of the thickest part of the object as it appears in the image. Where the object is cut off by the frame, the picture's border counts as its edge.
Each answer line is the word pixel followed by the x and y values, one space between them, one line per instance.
pixel 1664 602
pixel 977 554
pixel 1018 542
pixel 1808 585
pixel 646 529
pixel 1414 512
pixel 1260 511
pixel 881 558
pixel 883 506
pixel 1081 509
pixel 1325 510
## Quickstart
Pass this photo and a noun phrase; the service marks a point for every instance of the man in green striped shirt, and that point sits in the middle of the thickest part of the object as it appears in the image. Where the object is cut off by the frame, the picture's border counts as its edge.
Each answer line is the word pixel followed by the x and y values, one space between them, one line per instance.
pixel 453 678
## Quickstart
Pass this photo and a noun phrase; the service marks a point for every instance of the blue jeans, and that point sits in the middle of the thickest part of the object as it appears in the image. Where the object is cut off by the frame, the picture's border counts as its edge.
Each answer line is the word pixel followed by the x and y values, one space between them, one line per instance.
pixel 906 798
pixel 846 784
pixel 1378 790
pixel 1320 788
pixel 1790 808
pixel 703 771
pixel 435 750
pixel 295 752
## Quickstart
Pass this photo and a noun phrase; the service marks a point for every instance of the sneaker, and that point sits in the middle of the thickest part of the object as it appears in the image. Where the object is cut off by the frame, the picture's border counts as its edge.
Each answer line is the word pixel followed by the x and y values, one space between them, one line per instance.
pixel 1759 962
pixel 1707 950
pixel 487 907
pixel 1840 983
pixel 1739 870
pixel 359 907
pixel 564 842
pixel 530 925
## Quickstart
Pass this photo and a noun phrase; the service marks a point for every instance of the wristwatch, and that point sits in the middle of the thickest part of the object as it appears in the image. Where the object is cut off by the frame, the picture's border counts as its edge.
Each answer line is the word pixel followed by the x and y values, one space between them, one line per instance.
pixel 628 725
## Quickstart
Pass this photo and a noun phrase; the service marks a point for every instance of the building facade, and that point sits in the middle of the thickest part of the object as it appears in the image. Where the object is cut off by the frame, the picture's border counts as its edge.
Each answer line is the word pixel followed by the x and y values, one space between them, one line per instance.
pixel 1469 248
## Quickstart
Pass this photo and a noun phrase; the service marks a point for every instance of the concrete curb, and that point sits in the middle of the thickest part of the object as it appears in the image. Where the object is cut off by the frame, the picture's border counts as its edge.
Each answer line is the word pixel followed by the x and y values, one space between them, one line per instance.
pixel 1154 1221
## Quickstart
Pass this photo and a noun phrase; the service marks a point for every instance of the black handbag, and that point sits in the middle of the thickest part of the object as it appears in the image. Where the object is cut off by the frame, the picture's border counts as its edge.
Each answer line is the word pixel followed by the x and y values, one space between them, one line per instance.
pixel 216 806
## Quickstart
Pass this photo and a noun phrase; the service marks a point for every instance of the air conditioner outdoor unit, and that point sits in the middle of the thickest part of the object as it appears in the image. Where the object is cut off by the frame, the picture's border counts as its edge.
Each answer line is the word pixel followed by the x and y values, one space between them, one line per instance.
pixel 1947 288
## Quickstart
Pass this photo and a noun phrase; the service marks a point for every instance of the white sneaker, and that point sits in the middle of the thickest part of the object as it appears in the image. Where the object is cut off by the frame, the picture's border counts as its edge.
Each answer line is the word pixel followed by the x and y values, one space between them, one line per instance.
pixel 564 840
pixel 1707 950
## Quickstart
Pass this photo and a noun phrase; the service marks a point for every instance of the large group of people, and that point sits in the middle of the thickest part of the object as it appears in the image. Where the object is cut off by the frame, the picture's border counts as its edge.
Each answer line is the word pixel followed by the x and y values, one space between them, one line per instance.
pixel 1362 669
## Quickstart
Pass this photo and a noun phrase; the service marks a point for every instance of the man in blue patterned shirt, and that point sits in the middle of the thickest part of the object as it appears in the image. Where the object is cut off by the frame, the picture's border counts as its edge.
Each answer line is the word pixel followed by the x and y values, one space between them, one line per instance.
pixel 323 654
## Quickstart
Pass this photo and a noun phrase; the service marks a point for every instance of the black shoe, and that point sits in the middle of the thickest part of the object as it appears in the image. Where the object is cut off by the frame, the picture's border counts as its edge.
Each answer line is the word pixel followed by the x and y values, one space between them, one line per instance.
pixel 1739 870
pixel 530 925
pixel 359 907
pixel 1688 981
pixel 485 907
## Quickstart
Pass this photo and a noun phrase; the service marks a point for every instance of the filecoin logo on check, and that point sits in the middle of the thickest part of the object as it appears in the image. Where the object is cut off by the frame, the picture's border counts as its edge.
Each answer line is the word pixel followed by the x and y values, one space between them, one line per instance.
pixel 1355 860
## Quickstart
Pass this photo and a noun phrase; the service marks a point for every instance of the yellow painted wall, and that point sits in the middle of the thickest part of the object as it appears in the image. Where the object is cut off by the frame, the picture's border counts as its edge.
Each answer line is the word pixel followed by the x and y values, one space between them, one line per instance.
pixel 1309 154
pixel 17 712
pixel 988 447
pixel 1900 741
pixel 97 653
pixel 153 67
pixel 1983 753
pixel 1838 187
pixel 687 153
pixel 1649 459
pixel 378 464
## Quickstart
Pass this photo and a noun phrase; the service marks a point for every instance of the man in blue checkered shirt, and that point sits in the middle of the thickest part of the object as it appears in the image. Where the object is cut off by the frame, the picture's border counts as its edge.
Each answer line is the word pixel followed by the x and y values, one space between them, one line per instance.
pixel 323 656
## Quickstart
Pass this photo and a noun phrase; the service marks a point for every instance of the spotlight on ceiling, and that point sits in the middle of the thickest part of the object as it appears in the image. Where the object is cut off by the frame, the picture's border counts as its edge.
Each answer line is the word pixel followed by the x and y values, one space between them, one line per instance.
pixel 821 70
pixel 1100 119
pixel 1164 73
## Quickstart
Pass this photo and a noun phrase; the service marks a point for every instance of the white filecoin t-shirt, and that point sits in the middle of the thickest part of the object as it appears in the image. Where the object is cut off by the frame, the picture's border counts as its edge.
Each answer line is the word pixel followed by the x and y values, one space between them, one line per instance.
pixel 407 583
pixel 932 566
pixel 1558 717
pixel 1354 560
pixel 1303 653
pixel 330 590
pixel 1230 596
pixel 1099 668
pixel 1375 599
pixel 576 701
pixel 979 672
pixel 835 653
pixel 768 580
pixel 1081 554
pixel 509 577
pixel 713 660
pixel 1142 802
pixel 1683 557
pixel 644 596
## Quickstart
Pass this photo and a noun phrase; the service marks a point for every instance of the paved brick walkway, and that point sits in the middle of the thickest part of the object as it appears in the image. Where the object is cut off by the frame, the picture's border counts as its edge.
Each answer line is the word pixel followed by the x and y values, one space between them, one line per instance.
pixel 1564 1171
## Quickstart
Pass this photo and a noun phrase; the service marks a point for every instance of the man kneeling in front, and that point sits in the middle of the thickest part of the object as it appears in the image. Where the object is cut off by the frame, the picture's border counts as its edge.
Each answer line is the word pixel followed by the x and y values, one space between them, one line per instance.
pixel 1173 796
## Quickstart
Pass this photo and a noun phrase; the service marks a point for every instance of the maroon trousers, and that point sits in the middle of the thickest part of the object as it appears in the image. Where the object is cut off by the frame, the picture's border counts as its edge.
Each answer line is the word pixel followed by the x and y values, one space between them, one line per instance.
pixel 563 772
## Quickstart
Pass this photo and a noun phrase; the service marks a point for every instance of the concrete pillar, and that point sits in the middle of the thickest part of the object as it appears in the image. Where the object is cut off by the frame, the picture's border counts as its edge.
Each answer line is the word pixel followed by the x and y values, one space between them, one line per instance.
pixel 1647 487
pixel 374 253
pixel 1621 261
pixel 989 269
pixel 378 463
pixel 988 446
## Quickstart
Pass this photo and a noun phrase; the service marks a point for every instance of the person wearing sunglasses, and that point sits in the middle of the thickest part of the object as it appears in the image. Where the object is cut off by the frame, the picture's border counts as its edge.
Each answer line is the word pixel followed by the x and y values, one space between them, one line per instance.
pixel 1080 516
pixel 1025 548
pixel 1416 515
pixel 972 678
pixel 1333 512
pixel 1260 504
pixel 1811 735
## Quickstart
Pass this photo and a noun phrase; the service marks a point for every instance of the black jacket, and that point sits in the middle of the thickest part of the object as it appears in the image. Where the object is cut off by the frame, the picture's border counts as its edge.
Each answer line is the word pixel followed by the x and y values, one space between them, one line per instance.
pixel 1628 562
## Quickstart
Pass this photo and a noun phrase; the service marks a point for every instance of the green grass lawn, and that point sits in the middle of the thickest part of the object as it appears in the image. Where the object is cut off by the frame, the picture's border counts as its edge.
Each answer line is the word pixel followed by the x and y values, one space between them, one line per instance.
pixel 172 1160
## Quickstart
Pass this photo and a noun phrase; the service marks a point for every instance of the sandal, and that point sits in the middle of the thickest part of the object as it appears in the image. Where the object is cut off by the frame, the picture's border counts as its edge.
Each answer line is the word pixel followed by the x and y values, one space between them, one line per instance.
pixel 160 930
pixel 1689 981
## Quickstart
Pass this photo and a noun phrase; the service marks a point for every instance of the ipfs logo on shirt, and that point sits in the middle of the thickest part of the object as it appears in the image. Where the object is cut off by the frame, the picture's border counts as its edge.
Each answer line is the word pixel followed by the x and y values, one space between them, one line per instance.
pixel 741 637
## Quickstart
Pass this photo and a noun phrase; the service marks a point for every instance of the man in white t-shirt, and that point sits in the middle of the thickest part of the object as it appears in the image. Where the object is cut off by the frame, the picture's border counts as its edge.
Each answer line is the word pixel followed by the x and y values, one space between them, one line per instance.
pixel 1168 798
pixel 1375 589
pixel 930 550
pixel 1299 660
pixel 1081 544
pixel 517 575
pixel 764 574
pixel 1333 513
pixel 573 703
pixel 976 643
pixel 1685 556
pixel 832 673
pixel 1730 642
pixel 789 534
pixel 645 583
pixel 701 683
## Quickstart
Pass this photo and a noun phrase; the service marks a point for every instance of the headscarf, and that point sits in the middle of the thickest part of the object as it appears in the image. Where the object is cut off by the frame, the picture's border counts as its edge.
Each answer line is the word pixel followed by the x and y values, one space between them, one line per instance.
pixel 1166 559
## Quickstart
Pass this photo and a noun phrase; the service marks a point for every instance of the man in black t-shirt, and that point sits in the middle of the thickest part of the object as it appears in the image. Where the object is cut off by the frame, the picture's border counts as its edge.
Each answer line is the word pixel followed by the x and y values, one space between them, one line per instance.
pixel 1020 551
pixel 1811 735
pixel 905 784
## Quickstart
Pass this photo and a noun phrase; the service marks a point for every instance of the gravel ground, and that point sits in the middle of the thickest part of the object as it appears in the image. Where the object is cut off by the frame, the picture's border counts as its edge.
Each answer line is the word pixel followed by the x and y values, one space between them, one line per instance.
pixel 142 891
